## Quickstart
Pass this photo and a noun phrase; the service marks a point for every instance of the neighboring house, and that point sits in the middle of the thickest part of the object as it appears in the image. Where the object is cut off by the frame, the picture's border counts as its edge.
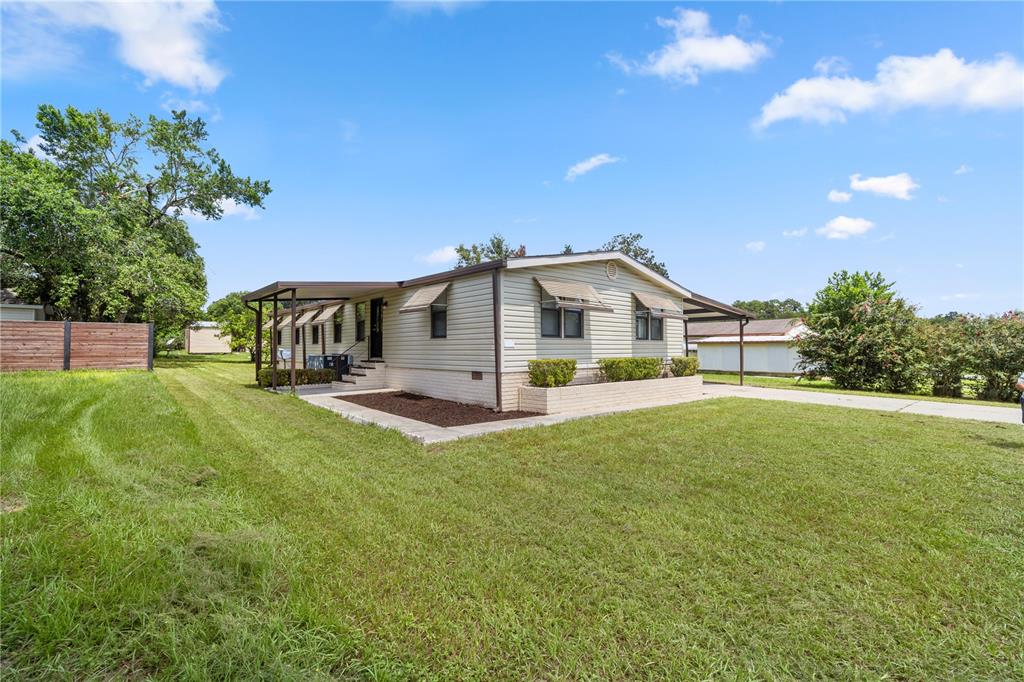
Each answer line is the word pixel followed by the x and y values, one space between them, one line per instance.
pixel 204 338
pixel 468 334
pixel 13 308
pixel 769 346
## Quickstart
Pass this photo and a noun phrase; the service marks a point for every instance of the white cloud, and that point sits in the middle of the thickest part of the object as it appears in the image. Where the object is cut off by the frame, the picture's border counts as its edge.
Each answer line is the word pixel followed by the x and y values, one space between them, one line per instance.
pixel 165 41
pixel 620 92
pixel 831 66
pixel 898 186
pixel 587 165
pixel 349 130
pixel 958 297
pixel 695 50
pixel 942 199
pixel 445 254
pixel 838 197
pixel 34 145
pixel 448 7
pixel 843 227
pixel 170 102
pixel 959 266
pixel 232 208
pixel 754 247
pixel 938 80
pixel 793 234
pixel 964 169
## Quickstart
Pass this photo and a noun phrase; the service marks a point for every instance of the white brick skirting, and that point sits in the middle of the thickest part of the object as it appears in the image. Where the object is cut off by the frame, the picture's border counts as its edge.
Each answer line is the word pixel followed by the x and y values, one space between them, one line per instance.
pixel 608 395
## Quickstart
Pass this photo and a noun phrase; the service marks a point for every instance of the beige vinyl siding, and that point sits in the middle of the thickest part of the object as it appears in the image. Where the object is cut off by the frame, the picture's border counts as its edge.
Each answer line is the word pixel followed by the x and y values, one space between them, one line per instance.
pixel 469 345
pixel 605 334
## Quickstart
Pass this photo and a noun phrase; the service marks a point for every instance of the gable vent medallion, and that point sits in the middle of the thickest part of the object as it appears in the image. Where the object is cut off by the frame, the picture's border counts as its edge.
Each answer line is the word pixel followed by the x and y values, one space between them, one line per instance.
pixel 611 269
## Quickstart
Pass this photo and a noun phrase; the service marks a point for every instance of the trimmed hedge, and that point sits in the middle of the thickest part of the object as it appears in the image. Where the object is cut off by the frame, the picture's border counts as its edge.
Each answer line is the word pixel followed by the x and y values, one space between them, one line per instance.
pixel 302 377
pixel 629 369
pixel 551 373
pixel 684 367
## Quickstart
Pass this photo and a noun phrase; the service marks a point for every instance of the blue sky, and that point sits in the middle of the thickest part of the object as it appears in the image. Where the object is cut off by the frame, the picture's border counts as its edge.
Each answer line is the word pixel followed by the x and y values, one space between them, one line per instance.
pixel 390 132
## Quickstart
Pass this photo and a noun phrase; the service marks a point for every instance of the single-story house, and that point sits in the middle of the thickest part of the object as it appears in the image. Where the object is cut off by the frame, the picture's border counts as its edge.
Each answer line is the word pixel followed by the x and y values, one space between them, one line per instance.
pixel 467 334
pixel 204 338
pixel 13 308
pixel 769 346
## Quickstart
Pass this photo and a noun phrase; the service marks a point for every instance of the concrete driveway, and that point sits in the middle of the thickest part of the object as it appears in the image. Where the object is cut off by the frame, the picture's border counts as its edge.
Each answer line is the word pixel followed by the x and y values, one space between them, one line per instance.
pixel 985 413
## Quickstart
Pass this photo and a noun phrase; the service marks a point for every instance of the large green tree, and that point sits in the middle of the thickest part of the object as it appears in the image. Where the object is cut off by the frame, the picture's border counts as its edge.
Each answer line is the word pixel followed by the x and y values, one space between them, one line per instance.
pixel 236 321
pixel 93 228
pixel 773 308
pixel 863 336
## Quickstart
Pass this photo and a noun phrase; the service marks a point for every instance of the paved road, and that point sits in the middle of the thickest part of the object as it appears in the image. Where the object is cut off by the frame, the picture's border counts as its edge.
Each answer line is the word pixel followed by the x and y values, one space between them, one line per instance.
pixel 985 413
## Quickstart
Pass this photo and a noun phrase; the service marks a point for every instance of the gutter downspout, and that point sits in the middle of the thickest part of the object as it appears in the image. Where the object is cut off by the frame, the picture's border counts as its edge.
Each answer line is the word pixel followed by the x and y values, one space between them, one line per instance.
pixel 496 306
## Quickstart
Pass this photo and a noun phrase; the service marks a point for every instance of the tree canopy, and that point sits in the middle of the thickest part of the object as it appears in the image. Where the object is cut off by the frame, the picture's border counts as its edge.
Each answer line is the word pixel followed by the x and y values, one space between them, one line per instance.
pixel 773 308
pixel 862 335
pixel 93 227
pixel 629 244
pixel 495 248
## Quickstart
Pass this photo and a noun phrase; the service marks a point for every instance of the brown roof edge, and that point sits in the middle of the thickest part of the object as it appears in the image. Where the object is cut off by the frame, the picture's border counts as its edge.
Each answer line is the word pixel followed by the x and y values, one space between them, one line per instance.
pixel 454 273
pixel 282 287
pixel 721 307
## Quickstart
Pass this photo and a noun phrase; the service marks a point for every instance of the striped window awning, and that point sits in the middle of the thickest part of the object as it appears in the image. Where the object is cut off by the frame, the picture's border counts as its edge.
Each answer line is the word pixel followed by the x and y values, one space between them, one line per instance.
pixel 660 306
pixel 270 320
pixel 327 313
pixel 573 294
pixel 424 298
pixel 305 317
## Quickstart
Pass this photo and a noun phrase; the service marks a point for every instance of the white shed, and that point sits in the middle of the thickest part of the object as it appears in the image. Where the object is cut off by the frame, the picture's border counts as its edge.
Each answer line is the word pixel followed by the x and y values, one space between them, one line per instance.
pixel 204 338
pixel 769 347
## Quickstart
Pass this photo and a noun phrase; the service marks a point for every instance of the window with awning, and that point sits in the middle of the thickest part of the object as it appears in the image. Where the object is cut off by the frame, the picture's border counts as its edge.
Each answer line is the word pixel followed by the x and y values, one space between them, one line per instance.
pixel 424 298
pixel 306 317
pixel 327 313
pixel 576 295
pixel 659 306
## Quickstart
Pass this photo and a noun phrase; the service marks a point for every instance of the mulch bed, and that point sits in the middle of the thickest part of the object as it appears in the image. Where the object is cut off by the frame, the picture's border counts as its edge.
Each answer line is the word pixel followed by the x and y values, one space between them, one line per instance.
pixel 431 410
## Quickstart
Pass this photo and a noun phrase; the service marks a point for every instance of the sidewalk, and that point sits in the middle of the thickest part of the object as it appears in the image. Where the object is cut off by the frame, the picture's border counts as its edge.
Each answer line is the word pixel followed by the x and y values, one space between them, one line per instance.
pixel 985 413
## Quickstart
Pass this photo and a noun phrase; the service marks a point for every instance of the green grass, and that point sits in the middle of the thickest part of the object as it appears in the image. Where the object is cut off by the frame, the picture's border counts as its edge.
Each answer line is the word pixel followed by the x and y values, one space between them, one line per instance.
pixel 183 524
pixel 829 387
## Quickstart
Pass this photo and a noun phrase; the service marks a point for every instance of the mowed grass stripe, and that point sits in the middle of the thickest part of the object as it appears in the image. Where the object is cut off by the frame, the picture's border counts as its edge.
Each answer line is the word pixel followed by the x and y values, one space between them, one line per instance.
pixel 231 532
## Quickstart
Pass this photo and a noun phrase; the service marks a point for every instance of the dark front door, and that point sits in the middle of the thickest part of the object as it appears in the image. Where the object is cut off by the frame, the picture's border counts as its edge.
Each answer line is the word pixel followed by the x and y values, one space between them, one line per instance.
pixel 377 328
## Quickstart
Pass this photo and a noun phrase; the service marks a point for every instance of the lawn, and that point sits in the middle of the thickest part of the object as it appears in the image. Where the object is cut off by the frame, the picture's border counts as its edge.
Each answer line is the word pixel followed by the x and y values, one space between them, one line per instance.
pixel 184 524
pixel 829 387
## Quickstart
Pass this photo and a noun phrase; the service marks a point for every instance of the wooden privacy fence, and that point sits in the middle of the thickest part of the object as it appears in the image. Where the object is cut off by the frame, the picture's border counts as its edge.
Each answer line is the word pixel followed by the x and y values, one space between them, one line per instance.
pixel 75 345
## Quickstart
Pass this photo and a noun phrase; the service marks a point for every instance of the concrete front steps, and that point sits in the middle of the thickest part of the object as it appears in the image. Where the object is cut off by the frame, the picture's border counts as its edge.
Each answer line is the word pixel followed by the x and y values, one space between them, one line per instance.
pixel 363 376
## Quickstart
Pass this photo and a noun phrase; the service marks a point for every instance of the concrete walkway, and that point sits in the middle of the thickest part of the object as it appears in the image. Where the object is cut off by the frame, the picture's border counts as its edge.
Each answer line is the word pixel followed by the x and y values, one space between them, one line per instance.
pixel 985 413
pixel 421 432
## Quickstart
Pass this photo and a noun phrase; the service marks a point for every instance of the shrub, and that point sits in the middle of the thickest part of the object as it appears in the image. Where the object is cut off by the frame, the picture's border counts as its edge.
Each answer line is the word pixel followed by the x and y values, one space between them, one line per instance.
pixel 863 336
pixel 950 351
pixel 998 354
pixel 684 367
pixel 302 377
pixel 629 369
pixel 551 373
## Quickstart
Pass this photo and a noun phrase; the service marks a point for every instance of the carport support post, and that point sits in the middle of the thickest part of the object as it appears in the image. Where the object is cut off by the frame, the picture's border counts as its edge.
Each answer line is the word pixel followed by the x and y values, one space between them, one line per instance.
pixel 686 338
pixel 291 330
pixel 273 349
pixel 743 323
pixel 259 339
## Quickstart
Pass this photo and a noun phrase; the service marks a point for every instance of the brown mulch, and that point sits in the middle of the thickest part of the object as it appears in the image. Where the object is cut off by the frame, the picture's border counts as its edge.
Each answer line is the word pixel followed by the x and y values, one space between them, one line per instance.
pixel 431 410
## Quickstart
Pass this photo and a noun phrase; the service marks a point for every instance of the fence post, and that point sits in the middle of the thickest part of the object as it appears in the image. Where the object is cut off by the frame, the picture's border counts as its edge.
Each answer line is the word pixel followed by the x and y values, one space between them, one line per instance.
pixel 149 362
pixel 67 345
